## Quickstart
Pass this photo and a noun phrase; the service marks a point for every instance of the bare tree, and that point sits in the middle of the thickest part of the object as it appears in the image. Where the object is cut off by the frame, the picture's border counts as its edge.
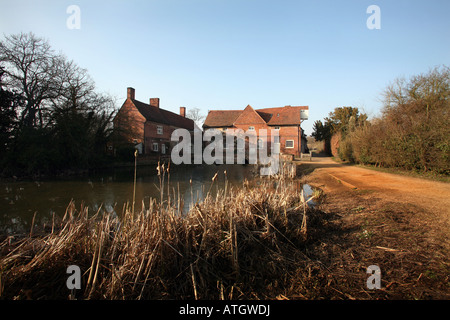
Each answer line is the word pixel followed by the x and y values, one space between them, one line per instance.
pixel 194 114
pixel 33 69
pixel 62 117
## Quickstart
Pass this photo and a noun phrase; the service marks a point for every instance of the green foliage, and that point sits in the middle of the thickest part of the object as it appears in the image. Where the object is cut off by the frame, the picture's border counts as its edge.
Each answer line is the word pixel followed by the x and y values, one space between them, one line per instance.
pixel 344 120
pixel 321 131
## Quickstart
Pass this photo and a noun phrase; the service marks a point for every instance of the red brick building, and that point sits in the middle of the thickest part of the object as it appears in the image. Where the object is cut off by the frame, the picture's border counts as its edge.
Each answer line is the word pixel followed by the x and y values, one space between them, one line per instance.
pixel 285 119
pixel 148 126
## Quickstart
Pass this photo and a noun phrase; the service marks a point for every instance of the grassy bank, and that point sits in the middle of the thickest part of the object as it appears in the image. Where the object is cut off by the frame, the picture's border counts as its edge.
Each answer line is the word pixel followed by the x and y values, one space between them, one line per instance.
pixel 242 243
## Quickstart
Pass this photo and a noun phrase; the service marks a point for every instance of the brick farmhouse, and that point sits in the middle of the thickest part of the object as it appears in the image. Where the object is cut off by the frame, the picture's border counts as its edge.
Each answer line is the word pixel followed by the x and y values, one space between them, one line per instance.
pixel 147 126
pixel 287 120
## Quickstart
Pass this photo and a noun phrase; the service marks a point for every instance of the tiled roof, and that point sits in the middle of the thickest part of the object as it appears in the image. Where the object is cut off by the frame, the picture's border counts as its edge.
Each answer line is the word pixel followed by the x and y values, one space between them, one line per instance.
pixel 288 115
pixel 163 116
pixel 221 118
pixel 281 116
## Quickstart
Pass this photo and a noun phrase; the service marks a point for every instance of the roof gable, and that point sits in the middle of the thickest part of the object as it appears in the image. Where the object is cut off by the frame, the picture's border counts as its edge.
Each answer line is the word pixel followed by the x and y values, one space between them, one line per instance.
pixel 280 116
pixel 249 116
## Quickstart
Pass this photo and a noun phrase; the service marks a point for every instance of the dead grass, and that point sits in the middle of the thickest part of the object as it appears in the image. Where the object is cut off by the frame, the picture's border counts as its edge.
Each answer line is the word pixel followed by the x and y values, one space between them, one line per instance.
pixel 242 243
pixel 259 241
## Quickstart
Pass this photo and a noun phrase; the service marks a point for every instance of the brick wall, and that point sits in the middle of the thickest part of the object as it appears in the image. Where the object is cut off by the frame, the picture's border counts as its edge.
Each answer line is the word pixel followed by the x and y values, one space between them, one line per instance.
pixel 285 133
pixel 152 136
pixel 289 133
pixel 130 122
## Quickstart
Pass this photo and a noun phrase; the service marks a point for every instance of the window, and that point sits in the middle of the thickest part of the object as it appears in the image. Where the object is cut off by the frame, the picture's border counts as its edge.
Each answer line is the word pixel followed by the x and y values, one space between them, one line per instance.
pixel 155 146
pixel 251 128
pixel 277 128
pixel 260 143
pixel 159 129
pixel 163 148
pixel 289 144
pixel 276 139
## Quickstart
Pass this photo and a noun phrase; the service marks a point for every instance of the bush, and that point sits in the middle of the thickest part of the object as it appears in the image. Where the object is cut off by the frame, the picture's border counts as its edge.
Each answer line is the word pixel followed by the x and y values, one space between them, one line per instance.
pixel 345 150
pixel 413 131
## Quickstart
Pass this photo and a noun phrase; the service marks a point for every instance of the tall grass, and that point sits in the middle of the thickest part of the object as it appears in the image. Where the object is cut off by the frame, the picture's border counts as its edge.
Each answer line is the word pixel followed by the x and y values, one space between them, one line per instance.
pixel 239 243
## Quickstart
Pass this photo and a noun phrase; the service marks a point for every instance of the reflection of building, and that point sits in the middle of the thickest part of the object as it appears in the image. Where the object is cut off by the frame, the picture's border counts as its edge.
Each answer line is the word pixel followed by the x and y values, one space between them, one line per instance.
pixel 285 119
pixel 148 126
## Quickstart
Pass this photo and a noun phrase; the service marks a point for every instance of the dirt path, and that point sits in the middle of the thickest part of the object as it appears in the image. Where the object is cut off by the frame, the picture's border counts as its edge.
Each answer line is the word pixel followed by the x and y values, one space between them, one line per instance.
pixel 396 222
pixel 432 196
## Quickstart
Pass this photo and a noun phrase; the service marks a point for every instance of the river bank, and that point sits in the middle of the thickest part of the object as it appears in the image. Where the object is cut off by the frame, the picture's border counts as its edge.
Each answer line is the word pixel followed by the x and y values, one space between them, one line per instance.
pixel 238 244
pixel 245 242
pixel 110 189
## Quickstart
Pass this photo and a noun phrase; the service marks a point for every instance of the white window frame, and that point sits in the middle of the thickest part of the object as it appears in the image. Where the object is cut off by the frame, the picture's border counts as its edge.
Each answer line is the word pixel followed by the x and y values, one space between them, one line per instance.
pixel 276 128
pixel 251 128
pixel 293 144
pixel 159 130
pixel 155 144
pixel 163 148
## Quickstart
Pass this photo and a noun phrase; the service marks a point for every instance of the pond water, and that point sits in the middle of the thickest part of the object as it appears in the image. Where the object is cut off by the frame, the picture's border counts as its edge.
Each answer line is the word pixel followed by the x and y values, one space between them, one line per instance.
pixel 19 201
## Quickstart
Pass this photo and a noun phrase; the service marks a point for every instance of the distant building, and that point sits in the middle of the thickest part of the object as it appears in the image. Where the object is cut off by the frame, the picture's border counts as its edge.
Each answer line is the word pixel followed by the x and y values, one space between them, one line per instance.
pixel 286 119
pixel 147 126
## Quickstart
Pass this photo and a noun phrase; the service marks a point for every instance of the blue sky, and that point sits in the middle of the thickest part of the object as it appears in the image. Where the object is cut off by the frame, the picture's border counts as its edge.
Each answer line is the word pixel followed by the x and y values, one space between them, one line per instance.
pixel 225 54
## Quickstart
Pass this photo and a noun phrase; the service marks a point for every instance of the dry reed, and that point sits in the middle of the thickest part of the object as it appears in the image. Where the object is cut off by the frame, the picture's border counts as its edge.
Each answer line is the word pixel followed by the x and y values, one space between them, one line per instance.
pixel 240 243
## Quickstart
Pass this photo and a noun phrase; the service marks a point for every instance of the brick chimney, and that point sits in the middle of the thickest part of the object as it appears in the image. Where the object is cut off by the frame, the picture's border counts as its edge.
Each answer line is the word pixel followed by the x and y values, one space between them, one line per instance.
pixel 154 102
pixel 183 112
pixel 130 93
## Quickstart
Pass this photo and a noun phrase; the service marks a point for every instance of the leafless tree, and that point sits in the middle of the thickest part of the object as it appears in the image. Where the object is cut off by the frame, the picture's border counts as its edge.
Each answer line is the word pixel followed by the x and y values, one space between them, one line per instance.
pixel 195 114
pixel 34 69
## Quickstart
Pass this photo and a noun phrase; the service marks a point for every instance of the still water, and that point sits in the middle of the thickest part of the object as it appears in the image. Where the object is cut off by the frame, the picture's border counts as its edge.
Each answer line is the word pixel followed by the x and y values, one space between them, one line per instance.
pixel 111 190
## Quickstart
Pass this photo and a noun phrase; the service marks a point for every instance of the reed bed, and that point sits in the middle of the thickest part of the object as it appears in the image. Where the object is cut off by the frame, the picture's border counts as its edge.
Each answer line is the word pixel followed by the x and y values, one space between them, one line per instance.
pixel 240 243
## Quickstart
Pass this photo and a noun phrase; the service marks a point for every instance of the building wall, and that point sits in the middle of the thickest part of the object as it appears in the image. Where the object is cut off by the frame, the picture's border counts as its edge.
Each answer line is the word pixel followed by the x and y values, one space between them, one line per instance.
pixel 285 133
pixel 289 133
pixel 152 136
pixel 130 122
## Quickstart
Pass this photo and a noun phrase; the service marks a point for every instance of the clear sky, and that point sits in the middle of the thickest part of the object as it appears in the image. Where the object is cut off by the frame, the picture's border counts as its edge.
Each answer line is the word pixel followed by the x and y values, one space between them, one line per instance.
pixel 226 54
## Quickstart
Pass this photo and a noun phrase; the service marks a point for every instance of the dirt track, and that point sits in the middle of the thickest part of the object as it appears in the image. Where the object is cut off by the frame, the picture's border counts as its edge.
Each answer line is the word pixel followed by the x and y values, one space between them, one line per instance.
pixel 432 196
pixel 396 222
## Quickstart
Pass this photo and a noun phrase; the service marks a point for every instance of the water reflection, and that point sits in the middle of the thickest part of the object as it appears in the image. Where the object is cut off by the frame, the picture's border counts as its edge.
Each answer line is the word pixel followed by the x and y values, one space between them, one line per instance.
pixel 111 190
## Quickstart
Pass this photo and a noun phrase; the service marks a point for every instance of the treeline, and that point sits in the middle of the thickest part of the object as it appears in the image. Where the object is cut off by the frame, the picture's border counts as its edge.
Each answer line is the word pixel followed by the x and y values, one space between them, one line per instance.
pixel 413 131
pixel 52 118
